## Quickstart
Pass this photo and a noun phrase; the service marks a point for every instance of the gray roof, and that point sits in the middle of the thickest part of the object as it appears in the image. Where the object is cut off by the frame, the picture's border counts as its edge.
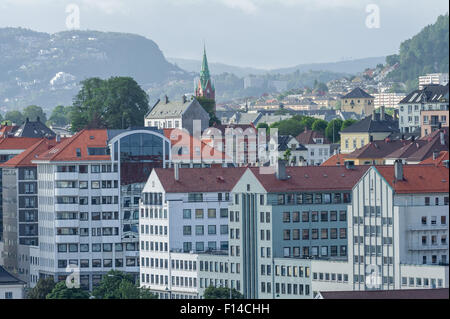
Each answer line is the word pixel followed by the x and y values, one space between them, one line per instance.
pixel 34 129
pixel 437 293
pixel 357 93
pixel 245 118
pixel 367 125
pixel 431 93
pixel 171 109
pixel 7 279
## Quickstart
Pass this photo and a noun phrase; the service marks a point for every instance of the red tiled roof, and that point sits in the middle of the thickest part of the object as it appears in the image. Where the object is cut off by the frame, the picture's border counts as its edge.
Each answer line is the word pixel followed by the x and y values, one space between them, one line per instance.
pixel 417 178
pixel 199 179
pixel 312 178
pixel 307 137
pixel 31 153
pixel 443 156
pixel 336 159
pixel 378 149
pixel 17 143
pixel 66 150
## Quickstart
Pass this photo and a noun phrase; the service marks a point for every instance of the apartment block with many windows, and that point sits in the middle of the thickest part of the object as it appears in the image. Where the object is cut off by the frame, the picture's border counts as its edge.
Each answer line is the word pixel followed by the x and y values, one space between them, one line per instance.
pixel 89 188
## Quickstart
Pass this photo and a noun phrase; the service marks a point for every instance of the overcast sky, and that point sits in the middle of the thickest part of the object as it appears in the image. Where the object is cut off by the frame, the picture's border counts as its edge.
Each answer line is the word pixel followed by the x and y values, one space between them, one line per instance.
pixel 257 33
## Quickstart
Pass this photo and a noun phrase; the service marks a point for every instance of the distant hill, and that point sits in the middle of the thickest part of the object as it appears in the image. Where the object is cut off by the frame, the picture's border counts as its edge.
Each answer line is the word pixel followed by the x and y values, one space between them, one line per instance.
pixel 348 67
pixel 426 52
pixel 41 68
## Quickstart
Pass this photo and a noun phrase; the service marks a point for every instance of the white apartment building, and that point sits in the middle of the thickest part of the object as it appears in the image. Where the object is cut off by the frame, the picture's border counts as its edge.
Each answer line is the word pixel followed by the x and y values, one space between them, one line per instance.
pixel 387 99
pixel 183 215
pixel 89 188
pixel 433 78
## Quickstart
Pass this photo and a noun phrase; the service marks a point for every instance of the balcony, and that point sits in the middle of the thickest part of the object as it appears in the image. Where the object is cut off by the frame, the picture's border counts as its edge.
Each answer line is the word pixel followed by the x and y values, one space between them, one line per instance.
pixel 420 227
pixel 419 247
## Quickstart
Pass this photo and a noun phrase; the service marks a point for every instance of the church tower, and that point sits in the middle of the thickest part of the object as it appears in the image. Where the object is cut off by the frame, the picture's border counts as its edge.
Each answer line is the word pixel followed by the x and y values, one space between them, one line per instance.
pixel 205 87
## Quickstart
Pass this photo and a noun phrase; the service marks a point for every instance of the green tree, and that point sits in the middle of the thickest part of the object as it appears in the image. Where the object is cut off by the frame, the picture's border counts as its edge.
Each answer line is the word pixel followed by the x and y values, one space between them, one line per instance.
pixel 14 117
pixel 42 289
pixel 62 292
pixel 288 127
pixel 347 123
pixel 221 293
pixel 33 112
pixel 319 125
pixel 60 116
pixel 119 285
pixel 118 102
pixel 332 130
pixel 308 121
pixel 262 125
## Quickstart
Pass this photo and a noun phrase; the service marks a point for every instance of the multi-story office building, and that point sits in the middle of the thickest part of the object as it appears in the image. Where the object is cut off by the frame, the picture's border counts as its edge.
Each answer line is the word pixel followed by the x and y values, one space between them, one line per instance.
pixel 305 230
pixel 431 97
pixel 398 228
pixel 89 188
pixel 183 215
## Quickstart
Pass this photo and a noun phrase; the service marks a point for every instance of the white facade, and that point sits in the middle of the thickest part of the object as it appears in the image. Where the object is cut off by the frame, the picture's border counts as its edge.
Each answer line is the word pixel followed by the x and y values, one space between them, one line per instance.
pixel 11 291
pixel 409 114
pixel 387 99
pixel 80 224
pixel 174 229
pixel 318 153
pixel 433 78
pixel 385 234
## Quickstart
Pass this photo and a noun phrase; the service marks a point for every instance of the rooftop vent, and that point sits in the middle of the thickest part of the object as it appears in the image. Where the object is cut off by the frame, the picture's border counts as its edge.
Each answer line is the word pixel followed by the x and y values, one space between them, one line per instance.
pixel 349 164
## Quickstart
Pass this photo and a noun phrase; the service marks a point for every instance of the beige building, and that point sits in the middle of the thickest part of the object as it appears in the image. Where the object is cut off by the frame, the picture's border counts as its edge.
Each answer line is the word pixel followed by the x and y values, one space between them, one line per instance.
pixel 432 120
pixel 358 101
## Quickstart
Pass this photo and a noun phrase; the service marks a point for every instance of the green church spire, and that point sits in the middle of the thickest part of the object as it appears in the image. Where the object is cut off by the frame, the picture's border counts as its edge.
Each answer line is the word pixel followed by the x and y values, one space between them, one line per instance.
pixel 204 73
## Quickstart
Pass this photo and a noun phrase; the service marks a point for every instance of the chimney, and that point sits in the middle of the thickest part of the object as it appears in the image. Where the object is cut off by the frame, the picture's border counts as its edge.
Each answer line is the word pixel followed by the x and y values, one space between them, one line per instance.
pixel 403 136
pixel 58 138
pixel 184 98
pixel 374 115
pixel 382 113
pixel 370 138
pixel 435 154
pixel 27 120
pixel 281 170
pixel 176 171
pixel 413 138
pixel 398 170
pixel 38 119
pixel 442 137
pixel 167 99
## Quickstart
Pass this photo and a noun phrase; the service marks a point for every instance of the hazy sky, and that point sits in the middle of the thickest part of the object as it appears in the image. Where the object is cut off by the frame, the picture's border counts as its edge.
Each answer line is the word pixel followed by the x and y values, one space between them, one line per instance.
pixel 257 33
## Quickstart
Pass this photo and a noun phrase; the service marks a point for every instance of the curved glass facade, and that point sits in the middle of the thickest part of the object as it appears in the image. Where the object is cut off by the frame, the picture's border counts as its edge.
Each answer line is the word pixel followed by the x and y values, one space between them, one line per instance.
pixel 137 154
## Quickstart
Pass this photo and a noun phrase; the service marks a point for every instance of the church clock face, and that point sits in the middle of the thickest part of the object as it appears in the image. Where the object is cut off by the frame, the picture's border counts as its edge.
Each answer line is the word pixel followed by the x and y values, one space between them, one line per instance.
pixel 207 91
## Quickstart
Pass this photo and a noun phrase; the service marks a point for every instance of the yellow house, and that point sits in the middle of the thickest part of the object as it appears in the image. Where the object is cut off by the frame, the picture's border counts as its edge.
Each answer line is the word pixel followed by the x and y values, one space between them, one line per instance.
pixel 375 127
pixel 358 101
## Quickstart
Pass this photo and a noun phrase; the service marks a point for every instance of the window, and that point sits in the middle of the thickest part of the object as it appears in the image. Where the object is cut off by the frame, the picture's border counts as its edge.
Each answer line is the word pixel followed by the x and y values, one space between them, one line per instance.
pixel 286 234
pixel 211 213
pixel 187 230
pixel 224 213
pixel 314 216
pixel 199 213
pixel 199 230
pixel 211 229
pixel 323 216
pixel 296 217
pixel 427 201
pixel 286 217
pixel 342 216
pixel 305 217
pixel 186 214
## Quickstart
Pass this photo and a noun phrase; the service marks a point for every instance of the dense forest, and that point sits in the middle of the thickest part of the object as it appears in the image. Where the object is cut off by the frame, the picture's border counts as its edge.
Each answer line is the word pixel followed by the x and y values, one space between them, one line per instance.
pixel 426 52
